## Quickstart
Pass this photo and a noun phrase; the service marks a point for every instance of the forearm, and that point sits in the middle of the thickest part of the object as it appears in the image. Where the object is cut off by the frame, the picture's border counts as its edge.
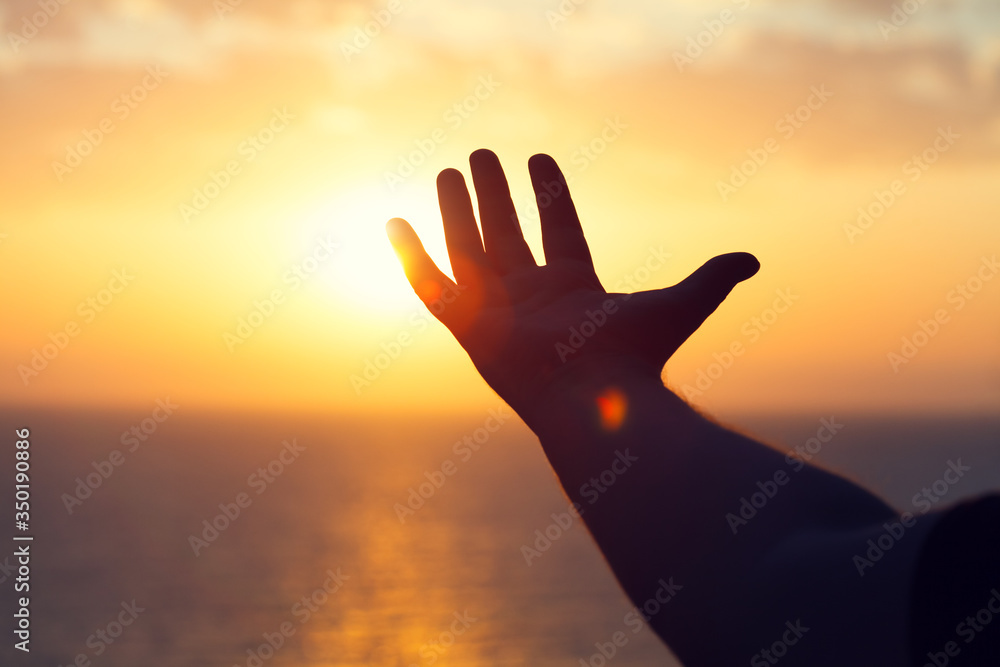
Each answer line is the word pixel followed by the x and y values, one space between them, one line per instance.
pixel 671 475
pixel 674 476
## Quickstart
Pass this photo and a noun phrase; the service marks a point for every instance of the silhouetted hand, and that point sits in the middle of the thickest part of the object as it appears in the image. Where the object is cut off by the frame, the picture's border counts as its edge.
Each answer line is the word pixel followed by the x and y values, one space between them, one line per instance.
pixel 665 516
pixel 514 317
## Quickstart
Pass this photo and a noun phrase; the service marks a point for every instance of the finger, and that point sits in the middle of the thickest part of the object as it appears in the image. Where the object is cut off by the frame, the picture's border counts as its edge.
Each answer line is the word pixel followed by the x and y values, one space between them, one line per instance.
pixel 505 247
pixel 562 235
pixel 461 233
pixel 708 287
pixel 663 319
pixel 425 277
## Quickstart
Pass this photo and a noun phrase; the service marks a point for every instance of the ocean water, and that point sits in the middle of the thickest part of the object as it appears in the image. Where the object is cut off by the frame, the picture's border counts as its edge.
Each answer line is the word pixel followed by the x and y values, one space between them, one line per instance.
pixel 321 564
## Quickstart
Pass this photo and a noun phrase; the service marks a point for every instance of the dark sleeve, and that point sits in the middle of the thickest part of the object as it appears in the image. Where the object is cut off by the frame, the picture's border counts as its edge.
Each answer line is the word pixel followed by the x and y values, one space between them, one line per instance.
pixel 955 602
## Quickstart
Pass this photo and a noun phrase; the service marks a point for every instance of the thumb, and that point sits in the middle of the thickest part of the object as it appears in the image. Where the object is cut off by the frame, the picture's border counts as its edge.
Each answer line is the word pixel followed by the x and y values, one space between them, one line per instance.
pixel 664 318
pixel 708 287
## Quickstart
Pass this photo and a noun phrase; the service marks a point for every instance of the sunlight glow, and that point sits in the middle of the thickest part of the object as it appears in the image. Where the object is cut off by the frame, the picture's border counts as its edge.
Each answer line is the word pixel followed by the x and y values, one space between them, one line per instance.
pixel 366 269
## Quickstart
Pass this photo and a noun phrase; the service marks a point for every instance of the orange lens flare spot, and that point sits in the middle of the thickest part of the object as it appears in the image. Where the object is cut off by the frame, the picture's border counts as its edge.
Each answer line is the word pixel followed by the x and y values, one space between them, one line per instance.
pixel 429 291
pixel 613 406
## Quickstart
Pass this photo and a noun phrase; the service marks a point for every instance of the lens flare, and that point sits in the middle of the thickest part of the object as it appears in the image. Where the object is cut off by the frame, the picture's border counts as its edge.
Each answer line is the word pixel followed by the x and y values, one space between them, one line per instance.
pixel 613 406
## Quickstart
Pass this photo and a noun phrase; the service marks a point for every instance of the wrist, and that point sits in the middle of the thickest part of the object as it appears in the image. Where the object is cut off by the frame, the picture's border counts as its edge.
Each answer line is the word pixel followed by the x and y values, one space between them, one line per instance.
pixel 588 408
pixel 581 386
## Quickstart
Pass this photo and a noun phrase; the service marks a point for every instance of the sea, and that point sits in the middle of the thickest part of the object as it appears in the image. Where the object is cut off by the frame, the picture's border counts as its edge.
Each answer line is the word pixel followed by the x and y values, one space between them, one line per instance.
pixel 183 538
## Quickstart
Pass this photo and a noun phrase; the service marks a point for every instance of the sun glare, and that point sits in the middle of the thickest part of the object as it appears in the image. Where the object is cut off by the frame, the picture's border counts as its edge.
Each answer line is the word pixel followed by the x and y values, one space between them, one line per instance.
pixel 366 270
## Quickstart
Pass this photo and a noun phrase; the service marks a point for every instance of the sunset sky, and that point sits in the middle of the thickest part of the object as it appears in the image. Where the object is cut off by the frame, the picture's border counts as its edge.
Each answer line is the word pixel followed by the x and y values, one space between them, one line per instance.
pixel 184 165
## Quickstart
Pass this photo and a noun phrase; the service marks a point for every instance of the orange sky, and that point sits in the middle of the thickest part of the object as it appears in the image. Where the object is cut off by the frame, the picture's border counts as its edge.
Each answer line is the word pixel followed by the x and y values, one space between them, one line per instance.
pixel 226 162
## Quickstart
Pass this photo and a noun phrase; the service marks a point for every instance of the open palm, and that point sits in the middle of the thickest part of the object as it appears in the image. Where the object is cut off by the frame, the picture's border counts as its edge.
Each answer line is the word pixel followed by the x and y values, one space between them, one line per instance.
pixel 523 324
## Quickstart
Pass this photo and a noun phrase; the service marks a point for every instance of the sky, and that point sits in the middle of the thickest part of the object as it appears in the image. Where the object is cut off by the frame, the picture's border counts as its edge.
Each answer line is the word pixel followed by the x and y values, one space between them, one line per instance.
pixel 194 193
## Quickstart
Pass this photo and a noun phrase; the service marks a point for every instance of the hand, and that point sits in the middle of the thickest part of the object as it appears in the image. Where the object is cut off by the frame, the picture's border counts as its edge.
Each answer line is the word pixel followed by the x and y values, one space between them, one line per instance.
pixel 514 317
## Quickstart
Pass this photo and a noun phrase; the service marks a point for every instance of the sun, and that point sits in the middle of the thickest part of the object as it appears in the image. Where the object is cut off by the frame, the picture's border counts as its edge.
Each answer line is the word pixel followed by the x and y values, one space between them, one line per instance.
pixel 365 269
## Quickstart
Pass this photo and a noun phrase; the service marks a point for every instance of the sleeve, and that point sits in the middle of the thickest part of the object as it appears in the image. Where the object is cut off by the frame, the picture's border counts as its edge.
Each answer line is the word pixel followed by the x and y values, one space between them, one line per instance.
pixel 955 601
